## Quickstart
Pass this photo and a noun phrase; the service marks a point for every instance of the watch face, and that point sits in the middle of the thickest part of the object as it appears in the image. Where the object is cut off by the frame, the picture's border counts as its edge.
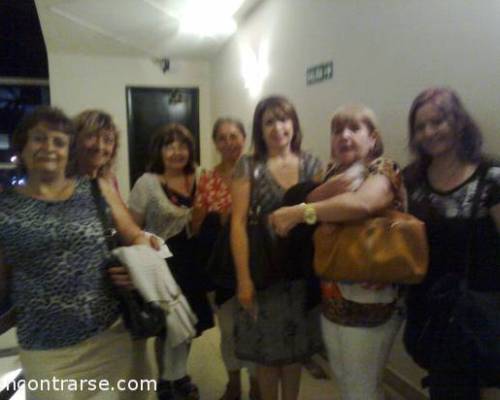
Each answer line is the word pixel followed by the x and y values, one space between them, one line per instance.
pixel 310 215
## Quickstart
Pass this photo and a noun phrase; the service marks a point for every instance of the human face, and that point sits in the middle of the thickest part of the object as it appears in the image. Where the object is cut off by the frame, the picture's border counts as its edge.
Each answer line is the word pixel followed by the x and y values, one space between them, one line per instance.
pixel 277 132
pixel 351 141
pixel 229 142
pixel 46 151
pixel 432 132
pixel 175 155
pixel 95 149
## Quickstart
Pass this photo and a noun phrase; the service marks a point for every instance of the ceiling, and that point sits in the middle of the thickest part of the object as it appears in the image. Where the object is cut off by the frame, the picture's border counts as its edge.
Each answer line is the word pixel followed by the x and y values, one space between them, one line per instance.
pixel 135 27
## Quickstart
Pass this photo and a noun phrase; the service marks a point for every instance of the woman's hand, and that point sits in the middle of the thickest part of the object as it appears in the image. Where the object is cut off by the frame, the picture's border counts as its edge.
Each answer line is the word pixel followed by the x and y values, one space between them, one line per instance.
pixel 246 297
pixel 148 240
pixel 286 218
pixel 120 277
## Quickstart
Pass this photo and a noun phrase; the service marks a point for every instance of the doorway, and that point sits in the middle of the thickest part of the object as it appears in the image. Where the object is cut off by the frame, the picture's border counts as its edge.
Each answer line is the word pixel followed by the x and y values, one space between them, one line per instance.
pixel 147 109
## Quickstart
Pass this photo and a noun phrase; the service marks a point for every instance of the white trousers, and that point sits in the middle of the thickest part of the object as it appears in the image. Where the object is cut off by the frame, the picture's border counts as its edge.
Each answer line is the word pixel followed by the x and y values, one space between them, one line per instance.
pixel 225 316
pixel 358 355
pixel 175 361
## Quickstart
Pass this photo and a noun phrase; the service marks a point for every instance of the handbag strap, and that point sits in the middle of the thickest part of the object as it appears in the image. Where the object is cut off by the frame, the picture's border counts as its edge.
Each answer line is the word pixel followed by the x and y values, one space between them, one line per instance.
pixel 476 200
pixel 254 209
pixel 104 214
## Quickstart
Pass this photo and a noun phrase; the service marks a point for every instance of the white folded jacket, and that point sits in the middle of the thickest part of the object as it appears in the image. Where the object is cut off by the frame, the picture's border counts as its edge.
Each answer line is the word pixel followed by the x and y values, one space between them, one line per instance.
pixel 152 278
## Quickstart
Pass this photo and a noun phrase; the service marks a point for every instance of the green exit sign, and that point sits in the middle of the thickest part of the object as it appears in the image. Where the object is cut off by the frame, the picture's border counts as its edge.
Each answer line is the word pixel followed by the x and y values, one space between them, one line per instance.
pixel 319 73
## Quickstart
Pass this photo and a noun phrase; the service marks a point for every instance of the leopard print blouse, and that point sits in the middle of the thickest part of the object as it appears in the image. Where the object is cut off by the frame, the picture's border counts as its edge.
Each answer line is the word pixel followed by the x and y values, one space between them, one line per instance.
pixel 58 256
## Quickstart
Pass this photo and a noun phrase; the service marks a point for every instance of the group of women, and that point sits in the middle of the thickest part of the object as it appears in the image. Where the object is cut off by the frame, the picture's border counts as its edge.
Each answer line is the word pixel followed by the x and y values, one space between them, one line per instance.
pixel 53 249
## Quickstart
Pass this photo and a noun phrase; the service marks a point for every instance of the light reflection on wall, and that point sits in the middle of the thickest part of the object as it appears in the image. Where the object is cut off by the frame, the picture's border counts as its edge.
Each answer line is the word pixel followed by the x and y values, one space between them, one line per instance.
pixel 255 67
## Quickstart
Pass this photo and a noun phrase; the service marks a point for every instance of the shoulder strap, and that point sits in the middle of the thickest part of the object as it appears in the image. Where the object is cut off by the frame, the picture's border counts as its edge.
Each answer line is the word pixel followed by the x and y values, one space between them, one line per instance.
pixel 104 215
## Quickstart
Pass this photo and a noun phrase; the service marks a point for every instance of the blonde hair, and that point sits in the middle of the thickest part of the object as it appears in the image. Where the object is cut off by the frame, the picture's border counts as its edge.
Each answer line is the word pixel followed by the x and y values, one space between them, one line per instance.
pixel 350 113
pixel 90 121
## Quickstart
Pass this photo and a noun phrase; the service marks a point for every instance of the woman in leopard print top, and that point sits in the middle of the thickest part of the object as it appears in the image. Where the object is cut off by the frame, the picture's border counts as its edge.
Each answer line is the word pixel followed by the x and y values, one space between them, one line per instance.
pixel 53 246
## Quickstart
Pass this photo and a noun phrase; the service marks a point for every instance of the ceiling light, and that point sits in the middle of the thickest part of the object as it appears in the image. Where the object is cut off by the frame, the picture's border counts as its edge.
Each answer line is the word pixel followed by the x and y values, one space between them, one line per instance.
pixel 209 18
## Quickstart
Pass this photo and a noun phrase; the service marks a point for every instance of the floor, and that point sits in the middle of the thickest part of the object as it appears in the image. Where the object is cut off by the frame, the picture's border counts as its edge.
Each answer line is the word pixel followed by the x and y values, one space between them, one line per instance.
pixel 207 371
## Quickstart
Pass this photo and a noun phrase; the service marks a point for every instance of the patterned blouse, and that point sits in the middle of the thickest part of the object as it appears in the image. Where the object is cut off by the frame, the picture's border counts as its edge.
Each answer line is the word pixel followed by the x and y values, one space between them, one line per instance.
pixel 349 303
pixel 58 256
pixel 161 215
pixel 214 195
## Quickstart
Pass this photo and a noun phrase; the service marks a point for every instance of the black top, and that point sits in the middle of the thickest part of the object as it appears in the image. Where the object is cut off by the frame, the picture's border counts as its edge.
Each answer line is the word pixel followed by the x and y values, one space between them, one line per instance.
pixel 449 227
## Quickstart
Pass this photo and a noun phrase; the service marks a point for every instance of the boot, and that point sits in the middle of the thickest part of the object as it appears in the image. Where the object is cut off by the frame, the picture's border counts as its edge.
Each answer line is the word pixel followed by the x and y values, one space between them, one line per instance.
pixel 233 387
pixel 165 390
pixel 185 389
pixel 254 393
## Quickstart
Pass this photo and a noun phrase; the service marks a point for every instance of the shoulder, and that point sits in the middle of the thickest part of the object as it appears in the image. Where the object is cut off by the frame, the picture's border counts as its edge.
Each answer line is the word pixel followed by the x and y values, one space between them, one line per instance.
pixel 385 166
pixel 243 166
pixel 388 168
pixel 493 171
pixel 310 160
pixel 145 180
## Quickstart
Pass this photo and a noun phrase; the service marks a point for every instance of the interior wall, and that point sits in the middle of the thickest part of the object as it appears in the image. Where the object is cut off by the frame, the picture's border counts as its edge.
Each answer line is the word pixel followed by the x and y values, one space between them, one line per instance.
pixel 79 81
pixel 384 53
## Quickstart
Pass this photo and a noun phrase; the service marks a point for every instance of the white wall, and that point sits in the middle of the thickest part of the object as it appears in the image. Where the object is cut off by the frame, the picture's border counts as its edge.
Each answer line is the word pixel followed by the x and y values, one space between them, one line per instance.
pixel 384 53
pixel 80 81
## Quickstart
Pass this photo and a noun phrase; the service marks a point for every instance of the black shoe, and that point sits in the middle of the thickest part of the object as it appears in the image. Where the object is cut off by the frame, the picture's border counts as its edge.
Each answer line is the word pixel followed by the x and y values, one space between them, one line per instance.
pixel 186 389
pixel 165 390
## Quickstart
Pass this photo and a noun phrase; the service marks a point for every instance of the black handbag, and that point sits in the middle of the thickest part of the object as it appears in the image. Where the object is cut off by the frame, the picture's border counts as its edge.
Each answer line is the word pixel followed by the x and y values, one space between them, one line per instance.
pixel 264 260
pixel 462 329
pixel 142 319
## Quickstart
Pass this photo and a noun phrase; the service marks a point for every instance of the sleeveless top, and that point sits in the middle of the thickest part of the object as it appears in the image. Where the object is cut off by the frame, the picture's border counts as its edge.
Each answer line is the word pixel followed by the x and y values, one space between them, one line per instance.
pixel 267 194
pixel 58 255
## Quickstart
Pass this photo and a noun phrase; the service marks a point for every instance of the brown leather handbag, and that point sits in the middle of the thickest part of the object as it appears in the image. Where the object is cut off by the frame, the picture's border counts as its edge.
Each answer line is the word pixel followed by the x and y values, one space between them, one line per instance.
pixel 390 248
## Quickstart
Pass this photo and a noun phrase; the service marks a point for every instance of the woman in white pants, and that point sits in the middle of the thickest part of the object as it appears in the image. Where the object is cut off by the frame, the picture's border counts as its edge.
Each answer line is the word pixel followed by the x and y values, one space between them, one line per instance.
pixel 359 321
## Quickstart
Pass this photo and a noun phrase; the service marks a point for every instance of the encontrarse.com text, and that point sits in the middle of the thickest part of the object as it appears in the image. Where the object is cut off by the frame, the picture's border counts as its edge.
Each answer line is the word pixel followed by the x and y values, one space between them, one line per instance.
pixel 81 385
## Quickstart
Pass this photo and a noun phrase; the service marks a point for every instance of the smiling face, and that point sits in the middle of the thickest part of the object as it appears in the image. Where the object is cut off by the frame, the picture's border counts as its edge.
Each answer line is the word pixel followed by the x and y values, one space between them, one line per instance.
pixel 229 141
pixel 175 155
pixel 351 141
pixel 432 131
pixel 46 151
pixel 277 131
pixel 95 148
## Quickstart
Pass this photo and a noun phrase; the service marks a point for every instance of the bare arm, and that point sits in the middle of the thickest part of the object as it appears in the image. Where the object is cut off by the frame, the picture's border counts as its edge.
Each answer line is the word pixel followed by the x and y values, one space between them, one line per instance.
pixel 334 186
pixel 127 228
pixel 374 195
pixel 240 193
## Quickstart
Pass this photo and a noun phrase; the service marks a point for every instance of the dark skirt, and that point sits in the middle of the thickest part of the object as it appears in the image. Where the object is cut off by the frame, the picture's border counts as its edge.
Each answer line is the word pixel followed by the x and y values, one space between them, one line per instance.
pixel 191 278
pixel 286 330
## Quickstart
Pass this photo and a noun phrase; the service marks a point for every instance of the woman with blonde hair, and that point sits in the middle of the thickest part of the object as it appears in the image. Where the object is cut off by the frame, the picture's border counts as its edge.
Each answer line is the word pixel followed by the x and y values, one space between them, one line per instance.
pixel 97 140
pixel 53 244
pixel 359 321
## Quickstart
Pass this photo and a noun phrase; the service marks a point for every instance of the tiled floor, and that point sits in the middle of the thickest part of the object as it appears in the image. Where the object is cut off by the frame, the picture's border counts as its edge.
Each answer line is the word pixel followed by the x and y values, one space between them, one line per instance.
pixel 207 371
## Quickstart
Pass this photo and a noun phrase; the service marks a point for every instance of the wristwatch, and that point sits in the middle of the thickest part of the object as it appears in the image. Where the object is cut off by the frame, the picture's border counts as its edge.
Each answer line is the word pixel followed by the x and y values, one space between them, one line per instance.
pixel 310 217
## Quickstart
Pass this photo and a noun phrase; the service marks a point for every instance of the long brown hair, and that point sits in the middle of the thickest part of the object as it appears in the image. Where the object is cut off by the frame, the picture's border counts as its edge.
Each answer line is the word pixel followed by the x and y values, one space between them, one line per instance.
pixel 282 108
pixel 446 100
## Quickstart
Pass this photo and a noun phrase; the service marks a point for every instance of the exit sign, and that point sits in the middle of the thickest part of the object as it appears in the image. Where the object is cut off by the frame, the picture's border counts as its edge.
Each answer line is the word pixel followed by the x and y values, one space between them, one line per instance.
pixel 319 73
